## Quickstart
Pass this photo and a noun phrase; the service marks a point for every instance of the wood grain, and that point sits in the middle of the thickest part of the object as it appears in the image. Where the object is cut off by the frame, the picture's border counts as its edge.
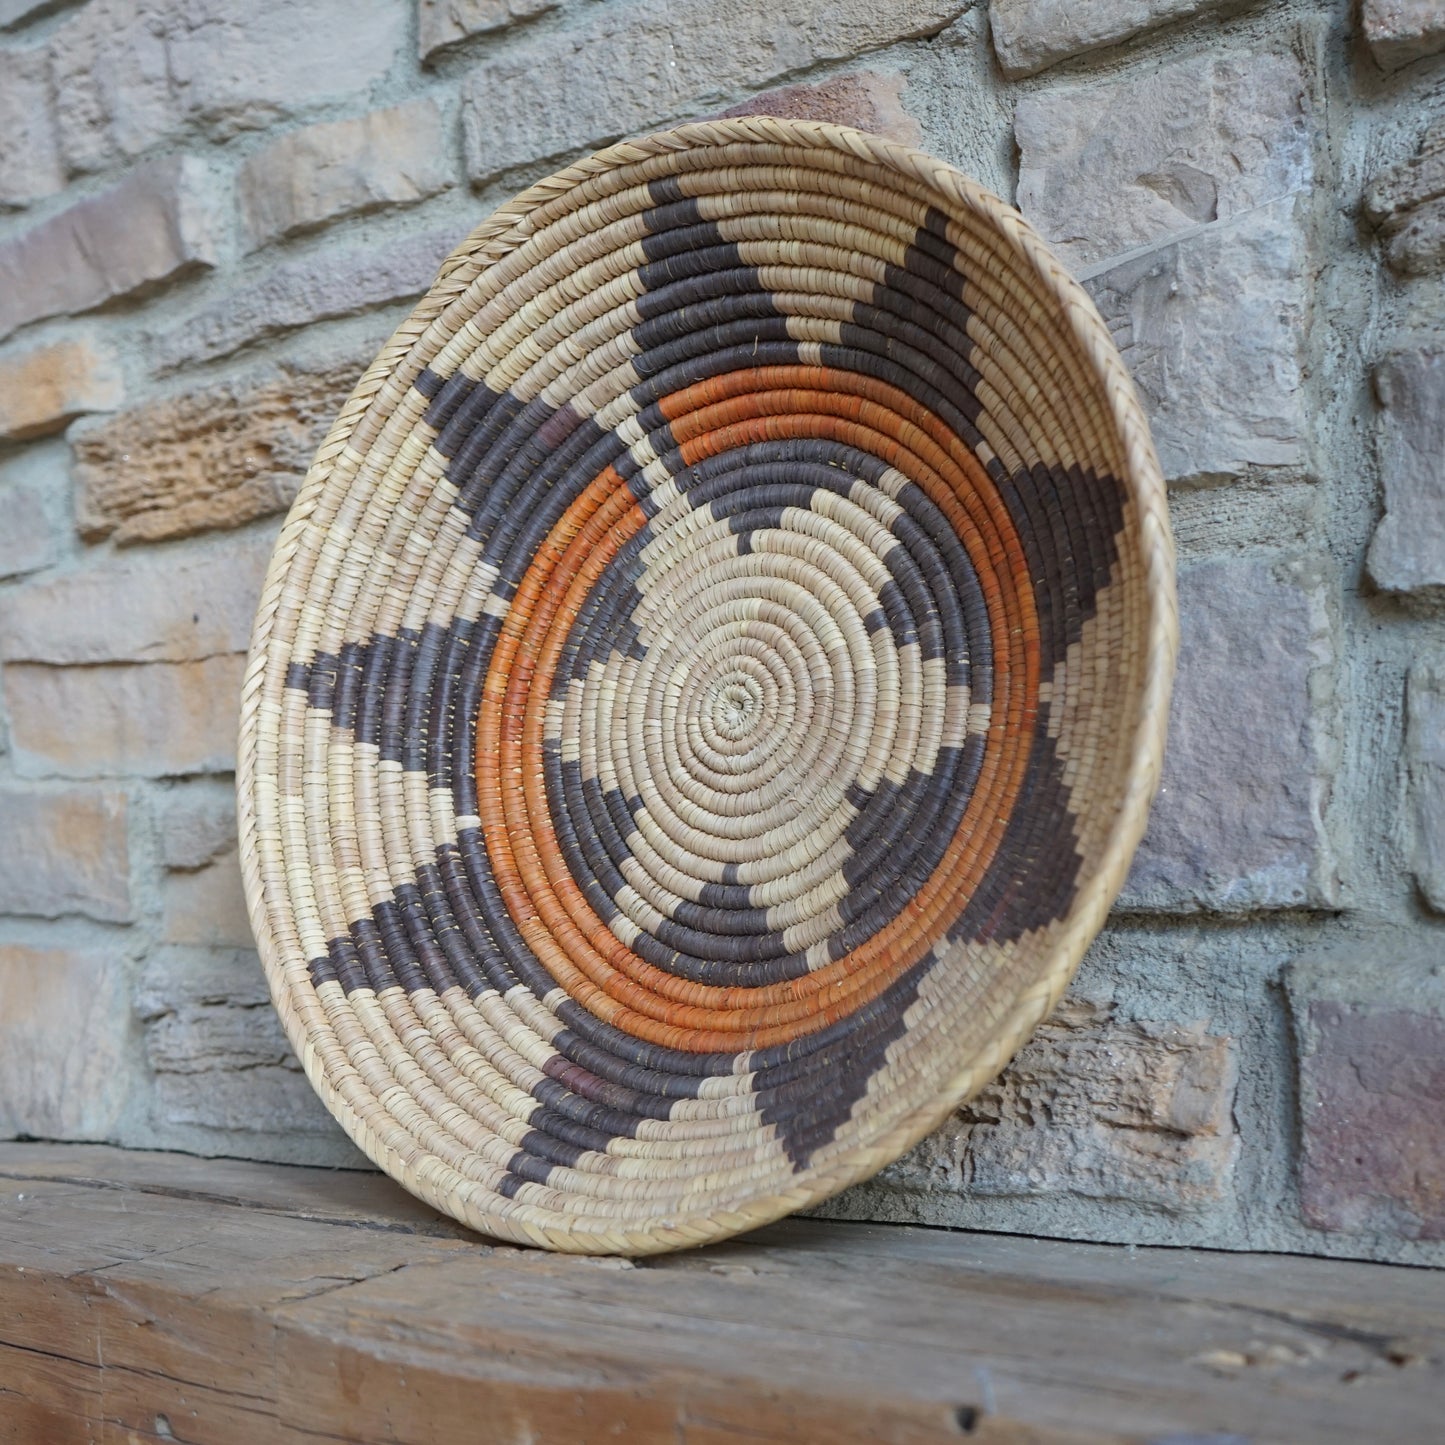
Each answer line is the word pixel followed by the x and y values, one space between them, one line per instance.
pixel 152 1297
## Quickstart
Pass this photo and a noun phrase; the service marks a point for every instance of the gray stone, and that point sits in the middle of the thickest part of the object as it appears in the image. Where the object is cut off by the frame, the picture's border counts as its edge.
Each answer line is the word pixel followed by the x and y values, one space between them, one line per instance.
pixel 1370 1045
pixel 865 99
pixel 67 1041
pixel 1407 552
pixel 1401 31
pixel 160 607
pixel 45 387
pixel 297 293
pixel 220 1058
pixel 1212 327
pixel 623 69
pixel 149 719
pixel 30 538
pixel 345 167
pixel 1109 166
pixel 197 824
pixel 441 23
pixel 1425 760
pixel 65 852
pixel 29 156
pixel 137 72
pixel 154 226
pixel 1031 35
pixel 1095 1107
pixel 217 457
pixel 1237 826
pixel 1407 204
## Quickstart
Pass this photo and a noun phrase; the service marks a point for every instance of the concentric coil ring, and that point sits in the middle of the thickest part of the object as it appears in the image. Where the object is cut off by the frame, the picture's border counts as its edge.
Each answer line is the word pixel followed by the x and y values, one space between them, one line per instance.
pixel 708 690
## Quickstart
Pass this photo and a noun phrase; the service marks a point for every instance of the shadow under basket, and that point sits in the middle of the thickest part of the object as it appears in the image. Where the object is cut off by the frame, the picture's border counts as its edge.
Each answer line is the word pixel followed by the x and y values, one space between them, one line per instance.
pixel 709 689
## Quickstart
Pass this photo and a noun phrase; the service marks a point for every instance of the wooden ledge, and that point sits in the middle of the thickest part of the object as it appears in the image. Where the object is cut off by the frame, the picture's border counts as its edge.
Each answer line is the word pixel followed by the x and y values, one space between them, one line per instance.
pixel 158 1297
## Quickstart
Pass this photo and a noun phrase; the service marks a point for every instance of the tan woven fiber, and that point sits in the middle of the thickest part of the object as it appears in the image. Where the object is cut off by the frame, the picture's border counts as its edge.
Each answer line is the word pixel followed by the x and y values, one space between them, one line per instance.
pixel 708 691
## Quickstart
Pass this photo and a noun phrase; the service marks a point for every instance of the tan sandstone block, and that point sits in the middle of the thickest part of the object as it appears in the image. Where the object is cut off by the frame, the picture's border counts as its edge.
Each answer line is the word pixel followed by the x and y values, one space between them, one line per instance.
pixel 205 460
pixel 64 852
pixel 44 387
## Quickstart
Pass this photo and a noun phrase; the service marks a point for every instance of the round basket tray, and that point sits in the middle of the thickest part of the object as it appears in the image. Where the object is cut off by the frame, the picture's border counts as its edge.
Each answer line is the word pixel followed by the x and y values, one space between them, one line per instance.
pixel 708 690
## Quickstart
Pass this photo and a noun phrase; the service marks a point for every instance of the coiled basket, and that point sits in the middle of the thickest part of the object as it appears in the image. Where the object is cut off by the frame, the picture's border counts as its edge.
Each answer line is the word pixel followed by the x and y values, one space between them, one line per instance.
pixel 708 690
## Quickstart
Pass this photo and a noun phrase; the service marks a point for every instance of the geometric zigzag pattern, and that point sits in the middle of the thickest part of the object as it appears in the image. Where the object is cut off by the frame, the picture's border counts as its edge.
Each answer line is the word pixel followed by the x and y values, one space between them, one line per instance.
pixel 705 690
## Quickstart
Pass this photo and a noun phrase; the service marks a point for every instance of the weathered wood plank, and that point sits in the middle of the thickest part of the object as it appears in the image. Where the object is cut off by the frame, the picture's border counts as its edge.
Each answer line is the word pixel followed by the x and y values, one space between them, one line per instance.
pixel 158 1297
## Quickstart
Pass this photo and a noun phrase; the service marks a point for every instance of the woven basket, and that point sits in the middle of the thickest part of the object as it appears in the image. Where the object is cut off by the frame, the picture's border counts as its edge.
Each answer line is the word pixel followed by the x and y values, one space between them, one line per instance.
pixel 708 690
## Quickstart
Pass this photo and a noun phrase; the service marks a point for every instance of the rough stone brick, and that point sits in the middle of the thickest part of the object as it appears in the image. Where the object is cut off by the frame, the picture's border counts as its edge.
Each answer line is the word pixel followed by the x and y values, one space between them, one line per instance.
pixel 1093 1106
pixel 137 72
pixel 297 293
pixel 141 608
pixel 1109 166
pixel 1407 204
pixel 214 458
pixel 1031 35
pixel 202 897
pixel 30 537
pixel 1236 825
pixel 157 719
pixel 624 69
pixel 1213 328
pixel 29 157
pixel 341 168
pixel 1399 31
pixel 1407 552
pixel 151 227
pixel 44 387
pixel 220 1058
pixel 1425 759
pixel 1370 1040
pixel 197 824
pixel 866 99
pixel 67 1040
pixel 441 23
pixel 64 852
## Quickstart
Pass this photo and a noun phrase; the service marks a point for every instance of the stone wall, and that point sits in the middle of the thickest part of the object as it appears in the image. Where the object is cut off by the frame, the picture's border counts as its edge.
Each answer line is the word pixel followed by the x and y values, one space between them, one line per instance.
pixel 211 215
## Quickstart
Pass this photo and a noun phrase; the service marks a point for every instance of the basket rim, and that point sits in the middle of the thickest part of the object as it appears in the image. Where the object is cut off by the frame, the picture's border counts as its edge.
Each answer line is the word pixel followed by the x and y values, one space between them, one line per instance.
pixel 498 234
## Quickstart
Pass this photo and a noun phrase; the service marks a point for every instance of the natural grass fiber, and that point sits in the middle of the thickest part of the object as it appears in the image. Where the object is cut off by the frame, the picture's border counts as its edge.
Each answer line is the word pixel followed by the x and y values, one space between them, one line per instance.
pixel 709 689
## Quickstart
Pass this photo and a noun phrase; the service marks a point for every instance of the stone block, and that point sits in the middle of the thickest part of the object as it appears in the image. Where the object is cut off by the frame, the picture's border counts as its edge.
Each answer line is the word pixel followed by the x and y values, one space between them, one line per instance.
pixel 44 387
pixel 202 898
pixel 161 607
pixel 29 155
pixel 1236 825
pixel 440 23
pixel 1370 1039
pixel 153 226
pixel 30 537
pixel 65 851
pixel 866 99
pixel 1401 31
pixel 1097 1107
pixel 67 1038
pixel 156 719
pixel 137 72
pixel 1031 35
pixel 1425 763
pixel 215 1045
pixel 1213 329
pixel 1406 203
pixel 1407 552
pixel 1106 167
pixel 341 168
pixel 214 458
pixel 312 288
pixel 620 70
